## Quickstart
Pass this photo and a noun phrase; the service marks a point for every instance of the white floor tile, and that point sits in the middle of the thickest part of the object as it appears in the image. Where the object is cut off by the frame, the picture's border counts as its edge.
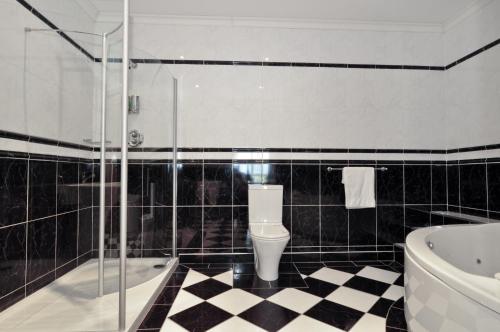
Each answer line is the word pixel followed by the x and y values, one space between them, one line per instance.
pixel 226 277
pixel 394 293
pixel 171 326
pixel 353 298
pixel 193 277
pixel 378 274
pixel 295 300
pixel 304 323
pixel 369 323
pixel 235 300
pixel 333 276
pixel 183 301
pixel 236 324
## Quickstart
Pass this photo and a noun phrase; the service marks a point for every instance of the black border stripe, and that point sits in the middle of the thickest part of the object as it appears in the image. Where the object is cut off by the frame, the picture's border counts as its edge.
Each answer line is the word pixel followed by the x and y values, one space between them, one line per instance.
pixel 43 140
pixel 53 142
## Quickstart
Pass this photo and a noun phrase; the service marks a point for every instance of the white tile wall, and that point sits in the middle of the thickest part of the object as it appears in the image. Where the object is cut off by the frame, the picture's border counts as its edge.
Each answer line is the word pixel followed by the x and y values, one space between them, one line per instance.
pixel 473 87
pixel 46 86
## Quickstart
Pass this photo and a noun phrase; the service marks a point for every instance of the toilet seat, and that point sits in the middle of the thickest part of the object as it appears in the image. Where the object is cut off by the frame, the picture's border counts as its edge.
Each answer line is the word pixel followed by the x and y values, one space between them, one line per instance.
pixel 270 232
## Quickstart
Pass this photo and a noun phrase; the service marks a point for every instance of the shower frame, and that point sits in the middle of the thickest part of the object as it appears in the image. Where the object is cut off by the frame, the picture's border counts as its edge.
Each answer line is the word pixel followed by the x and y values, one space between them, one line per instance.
pixel 124 159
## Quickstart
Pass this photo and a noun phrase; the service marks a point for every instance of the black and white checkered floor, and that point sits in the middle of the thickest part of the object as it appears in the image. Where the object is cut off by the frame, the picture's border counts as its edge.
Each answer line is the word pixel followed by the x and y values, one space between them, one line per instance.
pixel 345 296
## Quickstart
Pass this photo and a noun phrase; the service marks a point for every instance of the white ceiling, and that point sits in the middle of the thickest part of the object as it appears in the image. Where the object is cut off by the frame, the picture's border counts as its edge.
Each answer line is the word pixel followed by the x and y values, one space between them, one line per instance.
pixel 387 11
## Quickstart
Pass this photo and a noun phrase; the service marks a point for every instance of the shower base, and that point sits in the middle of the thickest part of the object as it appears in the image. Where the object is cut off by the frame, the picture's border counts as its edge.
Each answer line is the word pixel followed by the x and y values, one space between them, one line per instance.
pixel 70 303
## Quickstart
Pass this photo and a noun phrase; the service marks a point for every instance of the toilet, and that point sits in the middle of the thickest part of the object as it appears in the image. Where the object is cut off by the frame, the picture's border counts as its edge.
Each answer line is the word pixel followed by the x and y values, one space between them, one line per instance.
pixel 269 236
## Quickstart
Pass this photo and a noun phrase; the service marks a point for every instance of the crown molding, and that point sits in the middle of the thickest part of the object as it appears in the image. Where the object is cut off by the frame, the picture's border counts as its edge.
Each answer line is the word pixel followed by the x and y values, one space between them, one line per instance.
pixel 467 12
pixel 273 23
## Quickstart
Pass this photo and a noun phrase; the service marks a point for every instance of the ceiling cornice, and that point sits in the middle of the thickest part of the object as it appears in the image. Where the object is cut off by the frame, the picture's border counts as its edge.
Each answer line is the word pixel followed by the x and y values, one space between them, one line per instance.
pixel 312 24
pixel 273 23
pixel 465 13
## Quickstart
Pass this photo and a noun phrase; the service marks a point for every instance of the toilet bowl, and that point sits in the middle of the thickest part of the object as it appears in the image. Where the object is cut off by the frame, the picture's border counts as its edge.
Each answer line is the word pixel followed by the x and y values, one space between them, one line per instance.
pixel 269 236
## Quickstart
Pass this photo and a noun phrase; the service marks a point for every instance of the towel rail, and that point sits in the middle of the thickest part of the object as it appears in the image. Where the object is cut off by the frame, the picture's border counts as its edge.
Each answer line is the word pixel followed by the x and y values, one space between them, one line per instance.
pixel 330 169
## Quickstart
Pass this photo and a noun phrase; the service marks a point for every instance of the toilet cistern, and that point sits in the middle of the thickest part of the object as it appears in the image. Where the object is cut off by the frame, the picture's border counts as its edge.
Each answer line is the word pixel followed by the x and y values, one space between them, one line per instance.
pixel 269 236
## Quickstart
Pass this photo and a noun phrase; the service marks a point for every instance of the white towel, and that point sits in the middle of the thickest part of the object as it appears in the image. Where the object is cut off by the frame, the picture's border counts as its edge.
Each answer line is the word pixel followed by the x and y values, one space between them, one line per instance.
pixel 359 185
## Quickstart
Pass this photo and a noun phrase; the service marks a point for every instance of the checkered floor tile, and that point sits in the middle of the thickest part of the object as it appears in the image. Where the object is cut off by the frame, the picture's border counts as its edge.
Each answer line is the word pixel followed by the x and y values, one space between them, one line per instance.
pixel 336 297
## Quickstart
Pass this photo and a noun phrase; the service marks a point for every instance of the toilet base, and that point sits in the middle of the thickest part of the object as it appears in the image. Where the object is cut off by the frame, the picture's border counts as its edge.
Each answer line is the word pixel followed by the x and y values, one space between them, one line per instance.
pixel 267 256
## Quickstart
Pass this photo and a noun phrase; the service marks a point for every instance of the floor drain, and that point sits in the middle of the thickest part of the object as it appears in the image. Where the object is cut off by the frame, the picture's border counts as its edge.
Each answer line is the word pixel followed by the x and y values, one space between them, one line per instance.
pixel 159 266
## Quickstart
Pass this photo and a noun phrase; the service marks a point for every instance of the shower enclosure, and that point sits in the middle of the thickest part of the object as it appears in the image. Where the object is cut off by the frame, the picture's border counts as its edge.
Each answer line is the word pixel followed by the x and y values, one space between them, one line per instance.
pixel 132 201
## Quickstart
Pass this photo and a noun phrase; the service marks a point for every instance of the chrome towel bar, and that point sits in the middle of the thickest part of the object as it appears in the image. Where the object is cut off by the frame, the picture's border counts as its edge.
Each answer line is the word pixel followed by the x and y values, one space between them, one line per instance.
pixel 330 169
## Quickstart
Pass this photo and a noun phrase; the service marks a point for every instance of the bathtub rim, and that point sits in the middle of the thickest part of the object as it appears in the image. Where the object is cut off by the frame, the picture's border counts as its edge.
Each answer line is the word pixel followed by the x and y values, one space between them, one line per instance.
pixel 482 290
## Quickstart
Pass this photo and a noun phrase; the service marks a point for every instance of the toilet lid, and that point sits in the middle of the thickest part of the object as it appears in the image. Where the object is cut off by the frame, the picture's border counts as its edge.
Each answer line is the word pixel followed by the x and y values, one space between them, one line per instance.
pixel 267 231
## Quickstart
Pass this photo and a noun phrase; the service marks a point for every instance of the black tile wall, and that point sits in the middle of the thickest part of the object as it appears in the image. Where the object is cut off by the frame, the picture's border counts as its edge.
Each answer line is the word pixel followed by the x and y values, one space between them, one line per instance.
pixel 13 195
pixel 473 186
pixel 190 185
pixel 42 200
pixel 334 226
pixel 417 184
pixel 67 187
pixel 157 185
pixel 305 226
pixel 390 188
pixel 453 185
pixel 363 227
pixel 41 247
pixel 61 225
pixel 390 228
pixel 438 184
pixel 67 238
pixel 13 259
pixel 45 221
pixel 218 184
pixel 313 209
pixel 332 189
pixel 305 184
pixel 493 187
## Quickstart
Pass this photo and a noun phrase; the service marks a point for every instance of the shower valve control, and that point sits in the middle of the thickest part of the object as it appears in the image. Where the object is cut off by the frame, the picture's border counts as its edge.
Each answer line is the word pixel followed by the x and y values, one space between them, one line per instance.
pixel 135 138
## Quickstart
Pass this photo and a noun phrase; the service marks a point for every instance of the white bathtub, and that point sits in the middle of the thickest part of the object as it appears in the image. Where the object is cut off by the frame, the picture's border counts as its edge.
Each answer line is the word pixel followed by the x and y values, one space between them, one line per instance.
pixel 451 287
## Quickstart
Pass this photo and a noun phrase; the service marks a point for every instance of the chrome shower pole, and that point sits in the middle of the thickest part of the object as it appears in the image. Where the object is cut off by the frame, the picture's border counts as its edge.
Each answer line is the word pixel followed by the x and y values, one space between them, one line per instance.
pixel 122 318
pixel 174 173
pixel 102 188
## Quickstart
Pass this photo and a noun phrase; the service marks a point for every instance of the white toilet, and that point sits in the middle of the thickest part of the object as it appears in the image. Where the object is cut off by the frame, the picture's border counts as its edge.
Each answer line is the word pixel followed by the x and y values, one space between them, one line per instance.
pixel 269 236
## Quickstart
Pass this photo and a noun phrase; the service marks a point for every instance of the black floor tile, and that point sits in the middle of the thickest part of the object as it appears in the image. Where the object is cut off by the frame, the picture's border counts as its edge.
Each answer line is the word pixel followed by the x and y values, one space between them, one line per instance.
pixel 244 268
pixel 367 285
pixel 335 314
pixel 208 288
pixel 396 318
pixel 400 304
pixel 201 317
pixel 392 329
pixel 263 292
pixel 181 269
pixel 333 264
pixel 318 287
pixel 167 295
pixel 309 268
pixel 249 281
pixel 400 281
pixel 155 318
pixel 347 269
pixel 176 280
pixel 212 272
pixel 269 316
pixel 381 307
pixel 288 281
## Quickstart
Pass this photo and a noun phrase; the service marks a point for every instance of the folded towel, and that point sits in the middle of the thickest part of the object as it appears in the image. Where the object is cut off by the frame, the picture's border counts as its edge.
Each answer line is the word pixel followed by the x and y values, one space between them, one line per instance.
pixel 359 185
